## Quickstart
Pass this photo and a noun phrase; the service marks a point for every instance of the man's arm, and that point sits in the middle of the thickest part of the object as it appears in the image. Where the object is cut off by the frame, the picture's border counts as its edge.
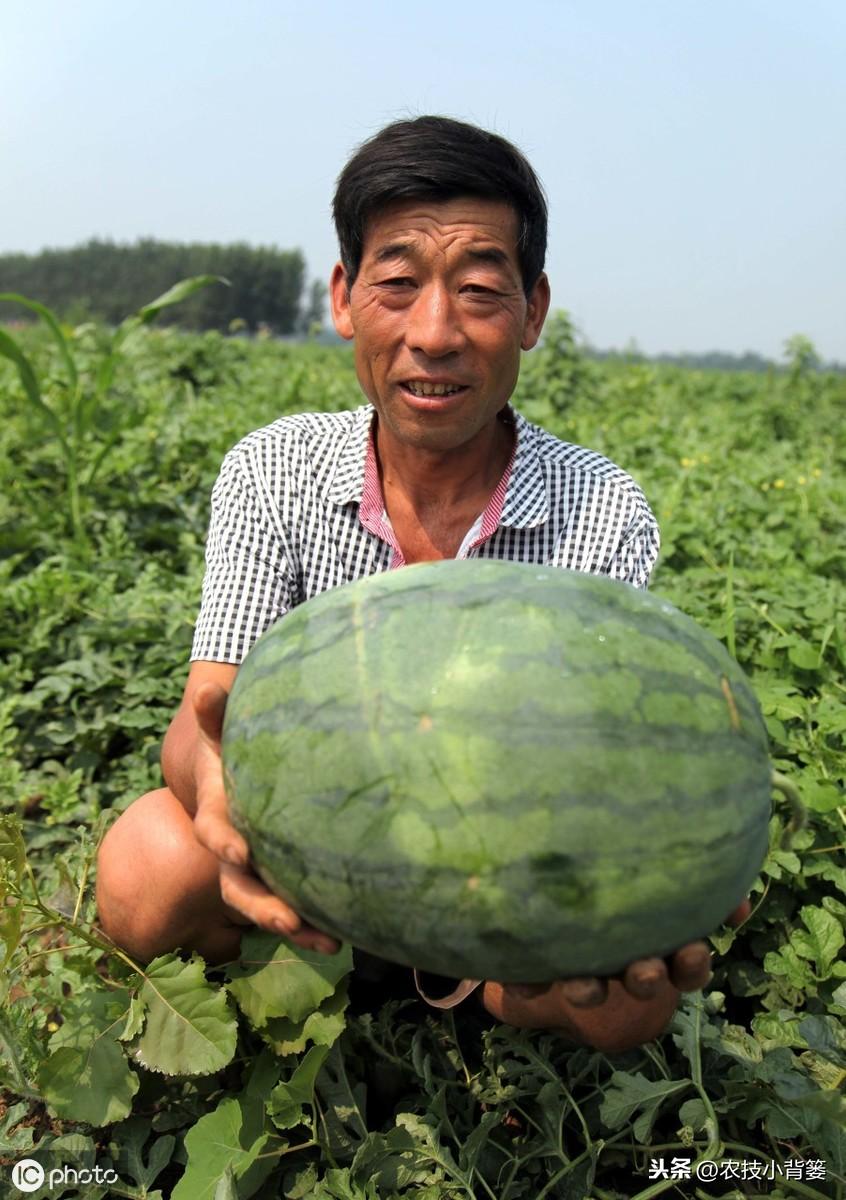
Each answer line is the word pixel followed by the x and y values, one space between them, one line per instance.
pixel 193 771
pixel 185 757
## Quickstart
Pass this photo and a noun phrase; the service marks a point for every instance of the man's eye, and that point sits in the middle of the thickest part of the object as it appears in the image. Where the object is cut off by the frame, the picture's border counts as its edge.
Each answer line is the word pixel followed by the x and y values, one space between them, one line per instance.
pixel 398 282
pixel 478 289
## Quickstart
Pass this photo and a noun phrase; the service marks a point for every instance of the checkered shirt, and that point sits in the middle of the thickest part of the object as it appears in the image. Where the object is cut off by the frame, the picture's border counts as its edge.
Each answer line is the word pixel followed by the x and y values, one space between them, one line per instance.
pixel 293 514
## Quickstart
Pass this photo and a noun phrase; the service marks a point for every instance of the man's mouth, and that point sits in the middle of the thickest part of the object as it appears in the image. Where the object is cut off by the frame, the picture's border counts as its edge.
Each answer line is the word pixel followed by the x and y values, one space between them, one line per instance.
pixel 418 388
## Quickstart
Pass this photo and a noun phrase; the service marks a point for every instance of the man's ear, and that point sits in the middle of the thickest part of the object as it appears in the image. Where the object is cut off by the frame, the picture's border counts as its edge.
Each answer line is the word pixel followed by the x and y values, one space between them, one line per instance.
pixel 536 310
pixel 339 301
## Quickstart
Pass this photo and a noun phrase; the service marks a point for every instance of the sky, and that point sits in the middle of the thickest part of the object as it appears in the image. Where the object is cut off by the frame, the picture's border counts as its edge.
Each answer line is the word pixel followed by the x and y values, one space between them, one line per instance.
pixel 693 151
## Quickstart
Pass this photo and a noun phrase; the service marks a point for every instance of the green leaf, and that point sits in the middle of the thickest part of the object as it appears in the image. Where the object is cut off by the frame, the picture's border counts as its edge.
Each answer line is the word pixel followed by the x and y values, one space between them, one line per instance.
pixel 29 380
pixel 15 1138
pixel 787 963
pixel 11 919
pixel 226 1189
pixel 322 1027
pixel 93 1084
pixel 190 1029
pixel 127 1149
pixel 410 1155
pixel 289 1098
pixel 262 1077
pixel 51 321
pixel 692 1029
pixel 774 1030
pixel 337 1184
pixel 225 1140
pixel 10 349
pixel 803 655
pixel 786 859
pixel 134 1019
pixel 12 850
pixel 174 295
pixel 829 1104
pixel 693 1113
pixel 824 940
pixel 274 978
pixel 302 1185
pixel 396 1160
pixel 343 1105
pixel 839 997
pixel 723 941
pixel 629 1093
pixel 736 1042
pixel 87 1077
pixel 825 1035
pixel 821 797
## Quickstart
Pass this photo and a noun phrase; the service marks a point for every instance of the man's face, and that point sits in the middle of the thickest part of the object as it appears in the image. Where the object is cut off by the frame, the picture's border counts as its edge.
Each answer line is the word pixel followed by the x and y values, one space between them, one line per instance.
pixel 439 317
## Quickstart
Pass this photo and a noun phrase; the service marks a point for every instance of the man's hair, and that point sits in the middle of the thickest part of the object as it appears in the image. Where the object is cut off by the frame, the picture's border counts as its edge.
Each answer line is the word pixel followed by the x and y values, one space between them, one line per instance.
pixel 438 158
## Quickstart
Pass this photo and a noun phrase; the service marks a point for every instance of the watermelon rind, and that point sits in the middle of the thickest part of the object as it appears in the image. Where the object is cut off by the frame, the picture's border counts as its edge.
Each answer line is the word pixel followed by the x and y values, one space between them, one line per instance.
pixel 499 771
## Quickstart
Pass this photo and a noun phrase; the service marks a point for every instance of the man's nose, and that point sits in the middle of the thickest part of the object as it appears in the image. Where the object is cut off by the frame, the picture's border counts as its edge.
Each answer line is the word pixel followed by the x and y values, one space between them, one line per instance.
pixel 434 326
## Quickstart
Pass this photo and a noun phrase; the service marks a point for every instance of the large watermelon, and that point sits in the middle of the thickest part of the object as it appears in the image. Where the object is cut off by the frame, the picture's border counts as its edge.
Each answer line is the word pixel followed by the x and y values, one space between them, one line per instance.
pixel 500 771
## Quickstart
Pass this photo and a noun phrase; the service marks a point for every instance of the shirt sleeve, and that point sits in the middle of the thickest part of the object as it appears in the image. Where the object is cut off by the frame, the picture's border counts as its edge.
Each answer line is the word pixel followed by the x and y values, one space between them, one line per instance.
pixel 637 552
pixel 250 580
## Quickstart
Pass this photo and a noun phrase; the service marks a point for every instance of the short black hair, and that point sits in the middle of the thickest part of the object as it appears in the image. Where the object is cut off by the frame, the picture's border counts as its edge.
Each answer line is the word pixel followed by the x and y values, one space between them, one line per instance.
pixel 438 158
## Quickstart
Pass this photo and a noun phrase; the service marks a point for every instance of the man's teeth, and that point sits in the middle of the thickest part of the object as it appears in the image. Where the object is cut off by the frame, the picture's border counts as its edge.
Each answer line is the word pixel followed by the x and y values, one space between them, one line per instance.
pixel 432 389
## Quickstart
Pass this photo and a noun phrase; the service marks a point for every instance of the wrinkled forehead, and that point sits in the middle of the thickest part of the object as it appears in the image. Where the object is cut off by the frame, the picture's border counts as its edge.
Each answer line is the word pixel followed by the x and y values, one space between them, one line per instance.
pixel 463 224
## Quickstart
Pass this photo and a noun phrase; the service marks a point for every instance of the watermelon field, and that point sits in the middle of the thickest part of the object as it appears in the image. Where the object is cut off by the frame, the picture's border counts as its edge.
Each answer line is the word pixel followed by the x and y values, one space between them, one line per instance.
pixel 257 1079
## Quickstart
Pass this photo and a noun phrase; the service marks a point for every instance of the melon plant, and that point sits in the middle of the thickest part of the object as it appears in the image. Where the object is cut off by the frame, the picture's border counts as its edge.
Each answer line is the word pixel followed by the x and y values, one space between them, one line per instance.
pixel 500 771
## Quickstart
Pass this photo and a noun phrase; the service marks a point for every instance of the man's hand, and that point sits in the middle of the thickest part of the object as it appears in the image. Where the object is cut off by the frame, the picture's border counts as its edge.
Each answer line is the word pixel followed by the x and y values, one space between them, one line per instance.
pixel 687 970
pixel 250 901
pixel 615 1014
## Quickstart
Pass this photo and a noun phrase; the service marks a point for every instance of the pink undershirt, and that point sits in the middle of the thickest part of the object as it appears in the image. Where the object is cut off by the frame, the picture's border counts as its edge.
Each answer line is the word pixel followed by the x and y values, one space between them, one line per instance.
pixel 373 516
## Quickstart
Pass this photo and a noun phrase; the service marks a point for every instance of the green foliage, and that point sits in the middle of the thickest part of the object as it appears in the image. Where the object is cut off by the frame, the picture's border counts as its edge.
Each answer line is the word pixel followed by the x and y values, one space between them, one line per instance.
pixel 79 419
pixel 102 280
pixel 256 1079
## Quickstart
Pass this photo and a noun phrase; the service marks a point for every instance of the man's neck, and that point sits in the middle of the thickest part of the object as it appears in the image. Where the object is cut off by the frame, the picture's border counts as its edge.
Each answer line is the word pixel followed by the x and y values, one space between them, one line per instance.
pixel 459 478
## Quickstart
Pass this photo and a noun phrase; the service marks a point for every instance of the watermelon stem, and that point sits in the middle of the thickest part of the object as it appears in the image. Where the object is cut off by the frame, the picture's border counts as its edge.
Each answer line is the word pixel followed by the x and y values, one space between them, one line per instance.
pixel 797 821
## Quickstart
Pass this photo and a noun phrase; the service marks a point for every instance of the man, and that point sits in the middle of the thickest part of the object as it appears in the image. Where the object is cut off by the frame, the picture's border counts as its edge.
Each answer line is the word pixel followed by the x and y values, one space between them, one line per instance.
pixel 442 231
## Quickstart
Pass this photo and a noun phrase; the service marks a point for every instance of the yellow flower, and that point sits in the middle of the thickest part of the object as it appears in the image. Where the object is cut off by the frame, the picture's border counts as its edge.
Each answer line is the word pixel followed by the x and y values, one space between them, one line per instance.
pixel 779 483
pixel 801 481
pixel 765 487
pixel 688 462
pixel 816 472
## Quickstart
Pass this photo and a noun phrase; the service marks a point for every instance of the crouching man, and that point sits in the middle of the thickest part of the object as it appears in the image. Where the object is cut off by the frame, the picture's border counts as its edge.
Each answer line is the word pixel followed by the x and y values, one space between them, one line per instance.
pixel 440 286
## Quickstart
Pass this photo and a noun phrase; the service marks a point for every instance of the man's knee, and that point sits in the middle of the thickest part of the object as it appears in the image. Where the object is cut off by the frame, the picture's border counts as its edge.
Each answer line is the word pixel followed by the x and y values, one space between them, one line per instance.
pixel 157 887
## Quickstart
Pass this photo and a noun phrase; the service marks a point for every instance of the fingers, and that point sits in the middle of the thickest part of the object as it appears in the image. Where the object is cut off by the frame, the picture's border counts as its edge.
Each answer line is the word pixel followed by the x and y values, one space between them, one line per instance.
pixel 643 978
pixel 588 991
pixel 584 992
pixel 690 967
pixel 688 970
pixel 527 991
pixel 248 896
pixel 212 826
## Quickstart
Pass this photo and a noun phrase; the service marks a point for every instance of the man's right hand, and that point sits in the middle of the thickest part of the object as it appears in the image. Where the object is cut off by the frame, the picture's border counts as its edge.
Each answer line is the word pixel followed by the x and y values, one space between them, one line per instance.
pixel 247 898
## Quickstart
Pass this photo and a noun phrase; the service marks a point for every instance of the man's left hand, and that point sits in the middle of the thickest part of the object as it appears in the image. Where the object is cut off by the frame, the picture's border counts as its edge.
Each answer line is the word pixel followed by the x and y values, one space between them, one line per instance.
pixel 610 1014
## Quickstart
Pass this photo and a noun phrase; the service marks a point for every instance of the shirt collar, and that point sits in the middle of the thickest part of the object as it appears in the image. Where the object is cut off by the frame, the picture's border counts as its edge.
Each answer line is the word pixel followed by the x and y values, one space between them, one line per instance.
pixel 525 501
pixel 348 480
